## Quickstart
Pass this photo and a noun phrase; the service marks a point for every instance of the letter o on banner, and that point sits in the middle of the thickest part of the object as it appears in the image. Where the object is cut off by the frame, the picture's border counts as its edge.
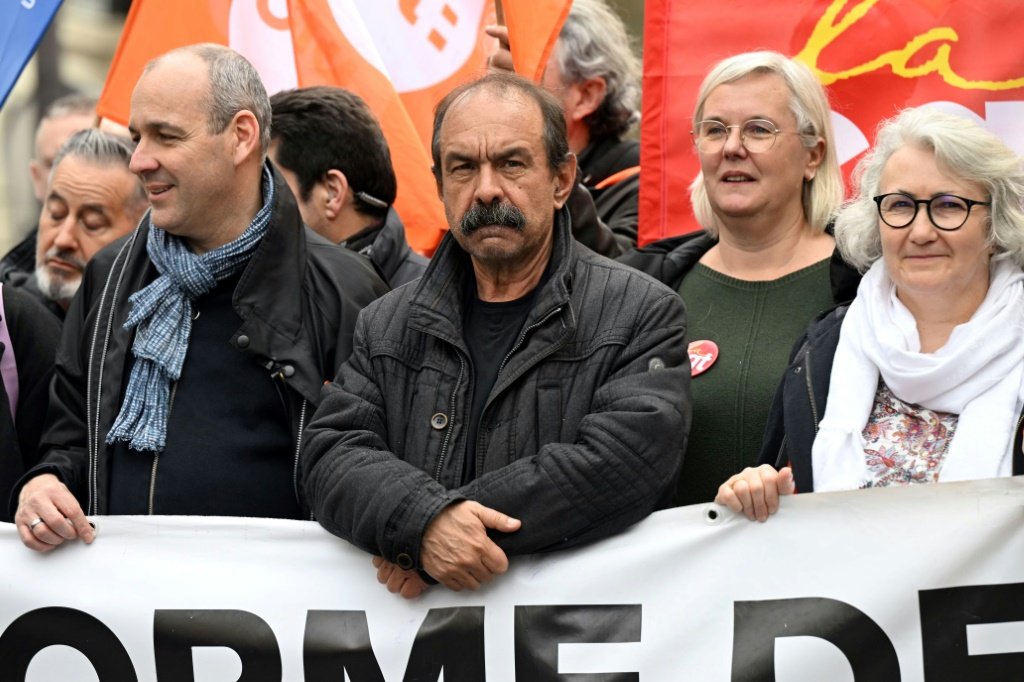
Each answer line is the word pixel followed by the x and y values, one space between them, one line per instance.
pixel 36 630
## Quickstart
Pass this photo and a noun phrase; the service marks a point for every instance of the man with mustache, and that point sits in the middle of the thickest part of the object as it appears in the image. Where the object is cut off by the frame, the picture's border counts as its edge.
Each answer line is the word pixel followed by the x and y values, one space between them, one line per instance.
pixel 526 395
pixel 92 199
pixel 196 348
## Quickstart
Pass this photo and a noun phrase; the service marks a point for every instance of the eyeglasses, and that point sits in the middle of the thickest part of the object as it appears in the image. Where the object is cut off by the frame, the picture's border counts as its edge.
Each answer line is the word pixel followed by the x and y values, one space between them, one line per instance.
pixel 946 211
pixel 756 135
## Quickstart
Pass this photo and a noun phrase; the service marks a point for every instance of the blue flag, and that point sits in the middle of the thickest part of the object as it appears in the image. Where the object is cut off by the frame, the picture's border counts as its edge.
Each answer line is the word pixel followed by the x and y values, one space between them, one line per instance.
pixel 22 24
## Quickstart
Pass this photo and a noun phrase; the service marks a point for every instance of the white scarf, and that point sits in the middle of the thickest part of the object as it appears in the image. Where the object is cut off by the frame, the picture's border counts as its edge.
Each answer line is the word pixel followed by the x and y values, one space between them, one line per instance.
pixel 978 375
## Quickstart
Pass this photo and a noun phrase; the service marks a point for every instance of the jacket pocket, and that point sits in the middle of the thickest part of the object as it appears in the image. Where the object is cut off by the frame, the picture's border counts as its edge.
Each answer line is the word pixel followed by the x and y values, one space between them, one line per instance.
pixel 549 413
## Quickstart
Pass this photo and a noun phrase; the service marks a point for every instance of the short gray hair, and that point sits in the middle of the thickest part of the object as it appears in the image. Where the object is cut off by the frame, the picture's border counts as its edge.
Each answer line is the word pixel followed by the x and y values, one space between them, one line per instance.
pixel 74 104
pixel 101 149
pixel 961 147
pixel 823 194
pixel 235 86
pixel 593 43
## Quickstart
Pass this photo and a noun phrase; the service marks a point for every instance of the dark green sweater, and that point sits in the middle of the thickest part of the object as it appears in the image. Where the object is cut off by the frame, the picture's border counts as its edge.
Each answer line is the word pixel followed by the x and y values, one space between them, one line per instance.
pixel 755 325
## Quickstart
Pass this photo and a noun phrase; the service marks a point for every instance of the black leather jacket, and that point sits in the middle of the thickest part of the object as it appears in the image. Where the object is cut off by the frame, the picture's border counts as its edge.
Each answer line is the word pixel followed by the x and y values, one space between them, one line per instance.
pixel 299 297
pixel 582 435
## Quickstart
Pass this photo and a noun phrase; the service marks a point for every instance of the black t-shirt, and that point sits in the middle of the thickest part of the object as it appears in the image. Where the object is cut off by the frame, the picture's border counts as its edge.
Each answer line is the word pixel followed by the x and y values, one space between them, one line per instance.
pixel 490 331
pixel 230 451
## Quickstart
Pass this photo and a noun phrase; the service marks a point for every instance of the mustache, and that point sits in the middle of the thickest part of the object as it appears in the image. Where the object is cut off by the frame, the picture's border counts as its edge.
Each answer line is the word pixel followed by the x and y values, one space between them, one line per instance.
pixel 66 255
pixel 501 213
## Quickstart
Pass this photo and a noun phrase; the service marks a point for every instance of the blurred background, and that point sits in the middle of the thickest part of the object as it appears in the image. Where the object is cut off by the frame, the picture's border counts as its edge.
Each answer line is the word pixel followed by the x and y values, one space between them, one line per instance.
pixel 73 57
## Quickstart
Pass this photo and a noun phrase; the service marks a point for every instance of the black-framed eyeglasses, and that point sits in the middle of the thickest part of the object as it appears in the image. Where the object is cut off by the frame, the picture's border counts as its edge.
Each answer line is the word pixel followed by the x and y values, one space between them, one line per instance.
pixel 756 135
pixel 946 211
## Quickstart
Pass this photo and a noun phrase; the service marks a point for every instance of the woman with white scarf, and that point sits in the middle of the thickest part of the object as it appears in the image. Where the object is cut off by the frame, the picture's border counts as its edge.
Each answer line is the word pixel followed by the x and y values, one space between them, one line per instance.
pixel 921 378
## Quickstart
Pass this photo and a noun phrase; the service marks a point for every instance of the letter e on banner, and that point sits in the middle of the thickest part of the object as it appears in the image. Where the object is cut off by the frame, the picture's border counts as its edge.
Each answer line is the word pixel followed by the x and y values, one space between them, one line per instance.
pixel 540 629
pixel 947 614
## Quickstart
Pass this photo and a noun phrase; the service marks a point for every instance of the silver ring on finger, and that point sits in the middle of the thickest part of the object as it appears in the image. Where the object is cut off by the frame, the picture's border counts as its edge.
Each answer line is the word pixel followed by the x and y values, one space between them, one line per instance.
pixel 35 522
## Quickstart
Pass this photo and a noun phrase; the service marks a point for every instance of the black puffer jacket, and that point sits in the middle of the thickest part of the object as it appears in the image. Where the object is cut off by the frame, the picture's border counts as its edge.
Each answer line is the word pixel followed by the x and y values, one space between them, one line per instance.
pixel 799 403
pixel 582 435
pixel 299 297
pixel 389 251
pixel 617 199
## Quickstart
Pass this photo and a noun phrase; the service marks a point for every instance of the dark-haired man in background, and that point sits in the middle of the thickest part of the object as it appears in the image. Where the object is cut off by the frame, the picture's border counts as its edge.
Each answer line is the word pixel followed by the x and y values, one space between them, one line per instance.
pixel 331 151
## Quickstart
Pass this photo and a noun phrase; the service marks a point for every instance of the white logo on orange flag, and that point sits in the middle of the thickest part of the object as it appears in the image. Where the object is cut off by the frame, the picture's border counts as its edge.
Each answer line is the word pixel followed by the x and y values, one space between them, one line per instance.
pixel 422 42
pixel 261 31
pixel 401 56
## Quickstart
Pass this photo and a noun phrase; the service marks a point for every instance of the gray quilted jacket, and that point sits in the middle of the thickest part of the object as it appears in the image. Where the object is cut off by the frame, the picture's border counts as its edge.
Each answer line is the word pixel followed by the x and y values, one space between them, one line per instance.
pixel 582 435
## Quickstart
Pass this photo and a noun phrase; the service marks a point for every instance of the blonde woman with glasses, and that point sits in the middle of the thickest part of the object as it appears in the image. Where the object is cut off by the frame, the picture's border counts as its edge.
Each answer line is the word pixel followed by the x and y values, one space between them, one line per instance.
pixel 921 378
pixel 763 266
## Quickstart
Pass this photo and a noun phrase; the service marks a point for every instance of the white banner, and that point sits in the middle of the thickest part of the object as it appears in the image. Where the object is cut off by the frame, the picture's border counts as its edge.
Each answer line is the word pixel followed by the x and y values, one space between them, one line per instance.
pixel 924 583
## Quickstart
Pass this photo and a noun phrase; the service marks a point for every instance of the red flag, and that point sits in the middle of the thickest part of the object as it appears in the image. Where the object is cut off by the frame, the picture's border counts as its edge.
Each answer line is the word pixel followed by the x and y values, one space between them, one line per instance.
pixel 875 56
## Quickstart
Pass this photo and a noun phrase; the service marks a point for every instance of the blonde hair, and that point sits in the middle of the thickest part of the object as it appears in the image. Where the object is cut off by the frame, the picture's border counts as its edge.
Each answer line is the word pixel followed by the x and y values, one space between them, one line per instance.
pixel 822 194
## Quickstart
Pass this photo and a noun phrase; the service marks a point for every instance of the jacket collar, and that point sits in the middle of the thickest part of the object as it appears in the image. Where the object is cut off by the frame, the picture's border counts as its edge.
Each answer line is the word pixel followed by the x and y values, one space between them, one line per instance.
pixel 606 156
pixel 437 306
pixel 269 296
pixel 384 244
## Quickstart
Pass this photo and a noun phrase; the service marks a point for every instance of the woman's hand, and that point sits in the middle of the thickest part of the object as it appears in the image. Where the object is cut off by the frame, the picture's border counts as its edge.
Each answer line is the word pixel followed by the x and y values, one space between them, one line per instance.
pixel 755 492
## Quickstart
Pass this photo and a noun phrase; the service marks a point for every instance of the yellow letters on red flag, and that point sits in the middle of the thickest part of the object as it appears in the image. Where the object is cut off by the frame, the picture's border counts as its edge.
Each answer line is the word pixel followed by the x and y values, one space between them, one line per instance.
pixel 875 56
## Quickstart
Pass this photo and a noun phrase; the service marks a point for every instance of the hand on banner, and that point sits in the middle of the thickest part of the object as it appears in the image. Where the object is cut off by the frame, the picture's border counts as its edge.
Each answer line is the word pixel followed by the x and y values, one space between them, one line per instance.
pixel 48 514
pixel 456 550
pixel 755 492
pixel 409 584
pixel 502 59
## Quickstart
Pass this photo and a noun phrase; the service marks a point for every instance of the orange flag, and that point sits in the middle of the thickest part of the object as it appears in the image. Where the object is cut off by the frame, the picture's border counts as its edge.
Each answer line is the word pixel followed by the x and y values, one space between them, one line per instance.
pixel 401 56
pixel 533 27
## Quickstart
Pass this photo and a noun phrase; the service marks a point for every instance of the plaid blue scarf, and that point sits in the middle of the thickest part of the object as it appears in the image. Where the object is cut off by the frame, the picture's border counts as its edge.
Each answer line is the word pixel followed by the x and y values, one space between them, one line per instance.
pixel 162 313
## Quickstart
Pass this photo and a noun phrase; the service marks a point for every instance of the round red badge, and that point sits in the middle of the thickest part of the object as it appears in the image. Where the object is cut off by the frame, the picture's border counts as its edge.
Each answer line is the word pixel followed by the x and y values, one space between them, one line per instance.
pixel 703 354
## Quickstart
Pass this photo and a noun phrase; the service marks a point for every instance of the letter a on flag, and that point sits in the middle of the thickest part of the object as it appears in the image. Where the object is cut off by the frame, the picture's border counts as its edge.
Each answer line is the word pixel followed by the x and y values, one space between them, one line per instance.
pixel 400 56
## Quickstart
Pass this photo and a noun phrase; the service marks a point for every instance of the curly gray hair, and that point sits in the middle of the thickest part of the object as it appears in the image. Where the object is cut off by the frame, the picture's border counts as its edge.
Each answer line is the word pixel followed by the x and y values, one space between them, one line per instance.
pixel 963 148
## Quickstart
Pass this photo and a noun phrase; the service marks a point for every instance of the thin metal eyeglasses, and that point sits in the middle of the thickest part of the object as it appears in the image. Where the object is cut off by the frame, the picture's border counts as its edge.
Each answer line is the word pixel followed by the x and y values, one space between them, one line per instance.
pixel 756 135
pixel 947 212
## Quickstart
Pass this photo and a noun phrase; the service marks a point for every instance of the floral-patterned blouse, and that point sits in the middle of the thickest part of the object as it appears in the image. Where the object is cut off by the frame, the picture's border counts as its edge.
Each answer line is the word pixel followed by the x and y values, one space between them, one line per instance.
pixel 904 443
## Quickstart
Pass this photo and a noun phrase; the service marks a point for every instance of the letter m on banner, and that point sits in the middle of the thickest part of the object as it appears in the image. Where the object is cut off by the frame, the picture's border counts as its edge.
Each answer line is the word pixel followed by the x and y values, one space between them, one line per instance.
pixel 400 56
pixel 875 57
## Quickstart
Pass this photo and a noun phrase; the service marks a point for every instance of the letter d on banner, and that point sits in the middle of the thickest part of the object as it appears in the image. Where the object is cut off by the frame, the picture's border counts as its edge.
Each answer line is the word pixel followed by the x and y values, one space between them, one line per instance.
pixel 757 624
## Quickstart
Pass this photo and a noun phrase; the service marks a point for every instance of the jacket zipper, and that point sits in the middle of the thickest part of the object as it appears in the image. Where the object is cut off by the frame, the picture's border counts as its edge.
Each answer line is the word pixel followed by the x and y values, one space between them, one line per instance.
pixel 92 426
pixel 156 455
pixel 810 390
pixel 519 342
pixel 522 335
pixel 451 419
pixel 298 449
